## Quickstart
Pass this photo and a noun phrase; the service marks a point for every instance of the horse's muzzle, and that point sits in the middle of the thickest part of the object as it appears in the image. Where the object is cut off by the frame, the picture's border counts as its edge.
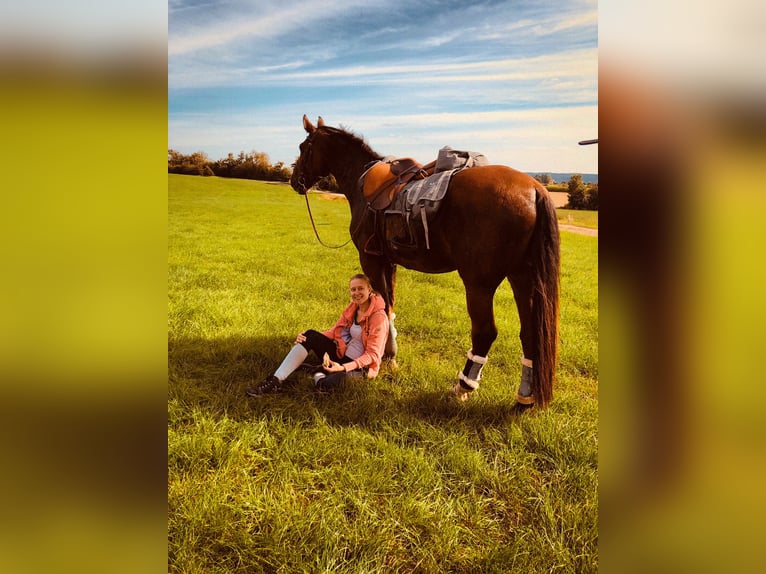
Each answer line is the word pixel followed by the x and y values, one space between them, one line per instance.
pixel 299 185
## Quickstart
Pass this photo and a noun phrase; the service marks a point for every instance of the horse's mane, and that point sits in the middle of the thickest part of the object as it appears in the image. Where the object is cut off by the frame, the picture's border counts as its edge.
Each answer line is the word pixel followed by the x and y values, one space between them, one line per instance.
pixel 352 137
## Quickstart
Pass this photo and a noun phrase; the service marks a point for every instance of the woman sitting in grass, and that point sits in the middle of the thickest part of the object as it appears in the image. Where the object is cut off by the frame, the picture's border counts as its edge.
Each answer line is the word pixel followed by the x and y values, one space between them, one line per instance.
pixel 354 347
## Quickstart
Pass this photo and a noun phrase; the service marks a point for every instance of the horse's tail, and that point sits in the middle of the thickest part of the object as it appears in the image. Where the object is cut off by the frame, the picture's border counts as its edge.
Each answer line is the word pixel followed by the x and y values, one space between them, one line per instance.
pixel 545 298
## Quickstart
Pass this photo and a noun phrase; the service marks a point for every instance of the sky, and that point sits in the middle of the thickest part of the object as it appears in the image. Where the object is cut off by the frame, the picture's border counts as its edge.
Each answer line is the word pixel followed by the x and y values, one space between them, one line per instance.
pixel 515 80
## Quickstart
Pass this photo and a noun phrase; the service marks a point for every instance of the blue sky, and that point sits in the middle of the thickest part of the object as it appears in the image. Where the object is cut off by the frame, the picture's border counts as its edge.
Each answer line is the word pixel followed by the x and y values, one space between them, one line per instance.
pixel 515 80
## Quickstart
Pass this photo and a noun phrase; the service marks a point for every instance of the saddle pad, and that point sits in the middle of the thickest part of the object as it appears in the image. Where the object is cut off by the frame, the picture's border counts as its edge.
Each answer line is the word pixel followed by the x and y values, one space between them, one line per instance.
pixel 431 189
pixel 420 201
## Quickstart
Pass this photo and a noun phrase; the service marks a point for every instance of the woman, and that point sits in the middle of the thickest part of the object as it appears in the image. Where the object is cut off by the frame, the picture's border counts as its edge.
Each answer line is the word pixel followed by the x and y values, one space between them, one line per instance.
pixel 350 349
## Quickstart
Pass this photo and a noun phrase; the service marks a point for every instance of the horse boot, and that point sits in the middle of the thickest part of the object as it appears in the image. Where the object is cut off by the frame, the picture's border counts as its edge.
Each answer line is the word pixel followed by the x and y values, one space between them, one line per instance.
pixel 469 377
pixel 524 394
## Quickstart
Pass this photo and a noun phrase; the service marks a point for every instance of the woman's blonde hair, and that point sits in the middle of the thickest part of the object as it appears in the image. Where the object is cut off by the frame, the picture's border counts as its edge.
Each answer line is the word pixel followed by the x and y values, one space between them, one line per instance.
pixel 364 278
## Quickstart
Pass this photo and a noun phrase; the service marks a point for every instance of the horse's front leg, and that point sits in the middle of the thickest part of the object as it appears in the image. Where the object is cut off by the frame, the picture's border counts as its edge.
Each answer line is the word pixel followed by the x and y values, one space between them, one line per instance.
pixel 382 274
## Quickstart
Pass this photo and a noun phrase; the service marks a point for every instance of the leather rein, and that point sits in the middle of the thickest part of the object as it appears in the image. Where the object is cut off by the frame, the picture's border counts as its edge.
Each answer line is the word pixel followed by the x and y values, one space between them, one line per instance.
pixel 316 233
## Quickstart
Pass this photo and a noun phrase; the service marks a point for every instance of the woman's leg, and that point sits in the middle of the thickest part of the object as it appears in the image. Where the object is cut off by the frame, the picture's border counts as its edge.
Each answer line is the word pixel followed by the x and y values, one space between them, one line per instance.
pixel 316 342
pixel 292 361
pixel 327 382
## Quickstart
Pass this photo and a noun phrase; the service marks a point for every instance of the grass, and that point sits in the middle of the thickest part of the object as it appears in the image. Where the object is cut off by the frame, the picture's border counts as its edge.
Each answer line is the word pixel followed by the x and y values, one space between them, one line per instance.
pixel 578 217
pixel 384 476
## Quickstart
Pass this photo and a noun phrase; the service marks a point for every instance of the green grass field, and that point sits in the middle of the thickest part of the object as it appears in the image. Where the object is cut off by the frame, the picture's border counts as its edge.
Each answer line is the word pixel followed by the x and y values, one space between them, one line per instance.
pixel 578 217
pixel 384 476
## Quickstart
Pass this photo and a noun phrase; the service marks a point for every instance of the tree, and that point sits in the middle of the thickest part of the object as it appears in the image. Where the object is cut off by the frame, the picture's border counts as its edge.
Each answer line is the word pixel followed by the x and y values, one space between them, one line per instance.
pixel 576 192
pixel 593 197
pixel 194 164
pixel 545 178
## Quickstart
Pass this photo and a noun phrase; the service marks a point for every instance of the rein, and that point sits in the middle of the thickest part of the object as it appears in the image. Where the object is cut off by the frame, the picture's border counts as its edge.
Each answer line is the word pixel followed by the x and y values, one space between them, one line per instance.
pixel 311 216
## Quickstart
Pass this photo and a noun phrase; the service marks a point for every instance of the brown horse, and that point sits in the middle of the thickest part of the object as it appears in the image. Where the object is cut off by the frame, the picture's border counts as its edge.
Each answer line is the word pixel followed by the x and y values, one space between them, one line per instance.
pixel 494 223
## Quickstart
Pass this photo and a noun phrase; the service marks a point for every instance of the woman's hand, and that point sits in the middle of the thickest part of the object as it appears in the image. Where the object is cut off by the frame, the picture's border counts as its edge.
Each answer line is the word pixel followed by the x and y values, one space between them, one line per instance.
pixel 334 367
pixel 331 366
pixel 300 338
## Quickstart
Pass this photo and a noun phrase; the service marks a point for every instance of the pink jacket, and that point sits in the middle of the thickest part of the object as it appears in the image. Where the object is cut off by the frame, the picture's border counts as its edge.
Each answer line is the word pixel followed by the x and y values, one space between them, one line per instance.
pixel 374 335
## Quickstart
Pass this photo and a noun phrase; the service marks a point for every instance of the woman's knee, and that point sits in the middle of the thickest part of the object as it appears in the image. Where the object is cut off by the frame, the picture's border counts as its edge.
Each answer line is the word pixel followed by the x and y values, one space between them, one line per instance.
pixel 314 339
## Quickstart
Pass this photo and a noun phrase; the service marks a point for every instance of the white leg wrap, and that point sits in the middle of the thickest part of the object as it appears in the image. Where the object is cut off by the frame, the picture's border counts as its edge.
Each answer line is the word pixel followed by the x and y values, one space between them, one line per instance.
pixel 477 358
pixel 472 384
pixel 471 374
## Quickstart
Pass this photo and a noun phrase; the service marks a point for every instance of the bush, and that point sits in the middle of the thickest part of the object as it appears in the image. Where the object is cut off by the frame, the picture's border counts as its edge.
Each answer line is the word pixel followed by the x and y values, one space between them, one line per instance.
pixel 328 184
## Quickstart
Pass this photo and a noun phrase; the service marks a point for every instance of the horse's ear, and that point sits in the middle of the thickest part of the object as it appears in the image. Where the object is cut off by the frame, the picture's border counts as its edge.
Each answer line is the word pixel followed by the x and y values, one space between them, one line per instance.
pixel 307 125
pixel 320 122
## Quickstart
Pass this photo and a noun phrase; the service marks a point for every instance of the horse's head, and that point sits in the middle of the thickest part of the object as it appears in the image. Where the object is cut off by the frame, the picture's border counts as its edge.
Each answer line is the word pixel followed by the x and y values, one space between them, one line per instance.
pixel 309 168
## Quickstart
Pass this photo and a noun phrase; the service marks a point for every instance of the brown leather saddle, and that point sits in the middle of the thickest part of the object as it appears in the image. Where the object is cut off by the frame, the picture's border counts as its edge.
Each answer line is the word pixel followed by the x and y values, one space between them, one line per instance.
pixel 382 182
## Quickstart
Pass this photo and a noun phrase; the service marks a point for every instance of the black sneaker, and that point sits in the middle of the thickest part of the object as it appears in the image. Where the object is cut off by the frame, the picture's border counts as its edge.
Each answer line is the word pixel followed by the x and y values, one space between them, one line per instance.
pixel 269 385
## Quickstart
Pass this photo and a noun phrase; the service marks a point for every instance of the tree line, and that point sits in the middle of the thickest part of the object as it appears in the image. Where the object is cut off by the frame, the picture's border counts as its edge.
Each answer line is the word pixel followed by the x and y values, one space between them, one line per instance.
pixel 254 165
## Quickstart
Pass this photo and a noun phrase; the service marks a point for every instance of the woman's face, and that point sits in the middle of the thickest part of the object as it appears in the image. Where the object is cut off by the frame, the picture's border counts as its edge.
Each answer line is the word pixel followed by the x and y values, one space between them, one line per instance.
pixel 360 291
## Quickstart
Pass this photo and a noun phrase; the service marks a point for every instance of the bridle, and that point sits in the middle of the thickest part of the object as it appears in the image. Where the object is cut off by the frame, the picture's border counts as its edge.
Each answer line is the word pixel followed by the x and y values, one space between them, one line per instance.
pixel 302 183
pixel 302 160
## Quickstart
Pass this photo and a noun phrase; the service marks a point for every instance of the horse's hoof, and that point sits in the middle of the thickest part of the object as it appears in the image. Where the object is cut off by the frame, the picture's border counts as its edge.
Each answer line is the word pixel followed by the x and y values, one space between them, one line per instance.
pixel 460 393
pixel 530 400
pixel 524 394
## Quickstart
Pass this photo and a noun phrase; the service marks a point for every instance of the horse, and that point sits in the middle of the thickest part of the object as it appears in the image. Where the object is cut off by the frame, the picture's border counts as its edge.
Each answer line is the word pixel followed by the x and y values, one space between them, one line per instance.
pixel 494 223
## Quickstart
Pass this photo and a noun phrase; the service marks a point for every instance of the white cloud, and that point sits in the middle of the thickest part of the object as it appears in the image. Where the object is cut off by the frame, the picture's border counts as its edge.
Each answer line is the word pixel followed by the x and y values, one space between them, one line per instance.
pixel 255 21
pixel 436 41
pixel 577 64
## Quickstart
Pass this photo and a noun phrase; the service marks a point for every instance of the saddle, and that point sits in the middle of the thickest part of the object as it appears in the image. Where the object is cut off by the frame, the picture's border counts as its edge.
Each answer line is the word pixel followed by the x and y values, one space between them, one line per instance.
pixel 384 180
pixel 412 193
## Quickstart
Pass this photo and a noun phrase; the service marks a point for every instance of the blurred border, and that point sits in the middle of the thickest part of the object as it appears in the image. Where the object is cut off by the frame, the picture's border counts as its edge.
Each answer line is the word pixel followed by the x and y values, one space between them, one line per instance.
pixel 83 296
pixel 682 142
pixel 83 299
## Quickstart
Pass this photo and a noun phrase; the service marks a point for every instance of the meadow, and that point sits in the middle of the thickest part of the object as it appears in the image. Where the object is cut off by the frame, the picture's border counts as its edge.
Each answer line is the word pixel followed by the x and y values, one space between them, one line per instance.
pixel 386 475
pixel 578 217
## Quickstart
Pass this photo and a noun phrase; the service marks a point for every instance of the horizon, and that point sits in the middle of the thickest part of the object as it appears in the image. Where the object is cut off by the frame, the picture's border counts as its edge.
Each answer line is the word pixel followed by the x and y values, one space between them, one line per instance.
pixel 591 177
pixel 516 83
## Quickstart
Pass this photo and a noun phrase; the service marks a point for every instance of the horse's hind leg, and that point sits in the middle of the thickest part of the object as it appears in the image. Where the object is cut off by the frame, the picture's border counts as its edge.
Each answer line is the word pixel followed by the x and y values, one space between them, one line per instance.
pixel 483 334
pixel 522 293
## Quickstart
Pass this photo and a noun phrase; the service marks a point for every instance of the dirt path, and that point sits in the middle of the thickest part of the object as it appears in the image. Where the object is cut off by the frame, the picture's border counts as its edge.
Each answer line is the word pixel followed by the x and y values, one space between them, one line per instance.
pixel 580 230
